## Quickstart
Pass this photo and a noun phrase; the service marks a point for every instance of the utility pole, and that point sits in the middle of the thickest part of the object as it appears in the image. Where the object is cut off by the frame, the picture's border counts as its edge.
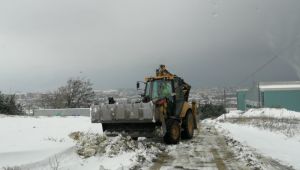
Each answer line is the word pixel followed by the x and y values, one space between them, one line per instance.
pixel 224 98
pixel 224 102
pixel 259 97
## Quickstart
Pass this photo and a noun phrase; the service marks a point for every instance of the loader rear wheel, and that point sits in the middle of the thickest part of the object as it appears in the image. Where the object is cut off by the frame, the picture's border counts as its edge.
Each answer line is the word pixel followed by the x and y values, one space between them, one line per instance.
pixel 172 135
pixel 188 126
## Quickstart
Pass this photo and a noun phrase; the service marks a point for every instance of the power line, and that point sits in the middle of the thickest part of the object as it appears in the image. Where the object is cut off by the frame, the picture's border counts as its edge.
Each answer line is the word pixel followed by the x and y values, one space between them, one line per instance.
pixel 258 70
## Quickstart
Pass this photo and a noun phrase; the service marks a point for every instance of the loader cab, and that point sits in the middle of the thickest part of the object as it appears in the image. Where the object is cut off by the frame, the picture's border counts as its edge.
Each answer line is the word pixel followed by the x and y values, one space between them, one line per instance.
pixel 158 89
pixel 169 89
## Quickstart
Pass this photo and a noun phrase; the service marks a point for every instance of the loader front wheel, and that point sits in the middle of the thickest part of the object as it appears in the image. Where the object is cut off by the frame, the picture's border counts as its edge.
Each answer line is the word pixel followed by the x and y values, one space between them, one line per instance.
pixel 172 135
pixel 188 126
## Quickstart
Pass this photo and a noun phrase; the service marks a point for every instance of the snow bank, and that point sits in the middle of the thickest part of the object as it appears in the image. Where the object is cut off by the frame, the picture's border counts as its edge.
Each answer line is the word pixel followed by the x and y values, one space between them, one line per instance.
pixel 263 112
pixel 272 132
pixel 26 140
pixel 274 145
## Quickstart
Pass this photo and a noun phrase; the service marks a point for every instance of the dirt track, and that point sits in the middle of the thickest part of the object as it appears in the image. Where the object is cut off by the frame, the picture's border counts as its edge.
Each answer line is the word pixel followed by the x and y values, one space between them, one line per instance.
pixel 210 150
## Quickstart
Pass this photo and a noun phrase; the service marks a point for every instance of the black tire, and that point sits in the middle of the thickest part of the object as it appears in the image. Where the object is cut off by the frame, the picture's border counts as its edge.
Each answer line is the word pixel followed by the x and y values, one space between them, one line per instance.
pixel 173 133
pixel 188 126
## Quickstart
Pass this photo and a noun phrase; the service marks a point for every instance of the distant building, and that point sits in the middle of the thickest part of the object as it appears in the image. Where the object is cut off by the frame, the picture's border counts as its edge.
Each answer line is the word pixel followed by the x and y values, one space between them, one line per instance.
pixel 271 95
pixel 241 98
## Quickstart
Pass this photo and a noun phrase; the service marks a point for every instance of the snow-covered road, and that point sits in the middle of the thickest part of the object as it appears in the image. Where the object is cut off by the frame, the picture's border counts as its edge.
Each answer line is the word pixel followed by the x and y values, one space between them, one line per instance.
pixel 207 150
pixel 210 149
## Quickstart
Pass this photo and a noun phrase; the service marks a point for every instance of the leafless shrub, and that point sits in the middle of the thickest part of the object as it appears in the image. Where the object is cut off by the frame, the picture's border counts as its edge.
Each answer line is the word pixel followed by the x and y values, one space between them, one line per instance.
pixel 54 163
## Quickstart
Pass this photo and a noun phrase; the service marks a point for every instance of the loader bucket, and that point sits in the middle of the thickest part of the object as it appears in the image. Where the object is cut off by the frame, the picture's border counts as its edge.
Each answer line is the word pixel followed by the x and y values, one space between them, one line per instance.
pixel 134 119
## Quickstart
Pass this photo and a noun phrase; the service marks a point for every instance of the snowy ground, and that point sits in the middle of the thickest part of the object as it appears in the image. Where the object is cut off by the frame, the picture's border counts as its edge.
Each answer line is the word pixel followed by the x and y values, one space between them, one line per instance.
pixel 69 143
pixel 274 133
pixel 26 140
pixel 64 143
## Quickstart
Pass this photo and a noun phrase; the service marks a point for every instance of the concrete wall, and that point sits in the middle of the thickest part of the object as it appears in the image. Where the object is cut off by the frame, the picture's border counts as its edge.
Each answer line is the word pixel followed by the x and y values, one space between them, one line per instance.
pixel 62 112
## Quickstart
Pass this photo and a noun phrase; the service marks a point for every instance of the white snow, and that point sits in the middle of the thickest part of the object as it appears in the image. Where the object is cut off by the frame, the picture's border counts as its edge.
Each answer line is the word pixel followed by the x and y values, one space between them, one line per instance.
pixel 30 139
pixel 270 143
pixel 34 142
pixel 70 160
pixel 38 143
pixel 231 114
pixel 263 112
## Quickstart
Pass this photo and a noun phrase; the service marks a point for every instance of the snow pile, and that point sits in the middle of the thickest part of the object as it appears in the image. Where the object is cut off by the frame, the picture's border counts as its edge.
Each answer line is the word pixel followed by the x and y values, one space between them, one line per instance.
pixel 274 133
pixel 263 112
pixel 277 146
pixel 275 120
pixel 91 144
pixel 231 114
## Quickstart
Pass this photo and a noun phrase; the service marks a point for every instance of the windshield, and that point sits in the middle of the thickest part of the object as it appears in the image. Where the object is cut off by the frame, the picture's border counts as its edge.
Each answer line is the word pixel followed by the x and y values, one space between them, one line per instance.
pixel 147 90
pixel 161 89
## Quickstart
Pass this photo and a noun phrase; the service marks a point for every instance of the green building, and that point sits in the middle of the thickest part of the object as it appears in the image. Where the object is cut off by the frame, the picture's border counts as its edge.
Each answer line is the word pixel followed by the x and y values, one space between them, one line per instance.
pixel 271 95
pixel 241 97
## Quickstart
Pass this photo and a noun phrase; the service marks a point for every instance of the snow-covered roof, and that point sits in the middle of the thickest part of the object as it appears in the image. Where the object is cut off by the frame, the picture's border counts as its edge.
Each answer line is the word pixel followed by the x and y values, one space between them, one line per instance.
pixel 242 90
pixel 290 85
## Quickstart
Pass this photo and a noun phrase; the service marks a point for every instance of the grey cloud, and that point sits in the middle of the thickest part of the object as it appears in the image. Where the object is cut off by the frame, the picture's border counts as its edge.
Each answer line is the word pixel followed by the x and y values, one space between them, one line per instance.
pixel 115 43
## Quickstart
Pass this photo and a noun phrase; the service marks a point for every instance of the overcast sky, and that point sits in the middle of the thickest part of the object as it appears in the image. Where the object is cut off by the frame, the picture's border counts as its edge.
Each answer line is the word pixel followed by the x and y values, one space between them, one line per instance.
pixel 116 42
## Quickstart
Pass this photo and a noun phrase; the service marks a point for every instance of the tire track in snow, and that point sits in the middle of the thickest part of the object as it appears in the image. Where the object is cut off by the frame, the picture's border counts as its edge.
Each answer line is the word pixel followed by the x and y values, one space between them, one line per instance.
pixel 207 150
pixel 210 150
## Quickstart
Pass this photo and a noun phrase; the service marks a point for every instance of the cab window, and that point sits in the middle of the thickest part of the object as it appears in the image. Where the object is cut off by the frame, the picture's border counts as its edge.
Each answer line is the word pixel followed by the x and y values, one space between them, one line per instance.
pixel 166 89
pixel 161 89
pixel 148 87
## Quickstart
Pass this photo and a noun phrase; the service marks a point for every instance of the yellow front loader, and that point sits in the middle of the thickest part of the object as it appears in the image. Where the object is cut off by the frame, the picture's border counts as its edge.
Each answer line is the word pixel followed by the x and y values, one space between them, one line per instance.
pixel 164 103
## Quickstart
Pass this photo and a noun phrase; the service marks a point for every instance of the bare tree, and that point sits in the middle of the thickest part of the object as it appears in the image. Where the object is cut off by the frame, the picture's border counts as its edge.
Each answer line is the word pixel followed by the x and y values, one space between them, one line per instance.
pixel 77 93
pixel 52 100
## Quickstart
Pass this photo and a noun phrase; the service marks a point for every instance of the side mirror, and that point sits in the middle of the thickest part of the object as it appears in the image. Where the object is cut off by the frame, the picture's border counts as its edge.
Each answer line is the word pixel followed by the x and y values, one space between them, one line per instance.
pixel 138 85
